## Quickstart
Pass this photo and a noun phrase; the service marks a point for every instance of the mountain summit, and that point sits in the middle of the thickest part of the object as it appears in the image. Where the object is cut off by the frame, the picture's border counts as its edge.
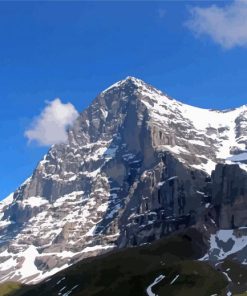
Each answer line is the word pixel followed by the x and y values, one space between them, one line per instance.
pixel 137 166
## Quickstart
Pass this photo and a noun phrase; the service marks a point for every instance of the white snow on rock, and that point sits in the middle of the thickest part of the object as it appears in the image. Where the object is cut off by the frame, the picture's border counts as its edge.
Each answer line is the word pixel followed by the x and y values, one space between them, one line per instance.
pixel 225 243
pixel 201 135
pixel 47 225
pixel 206 167
pixel 174 280
pixel 28 267
pixel 3 204
pixel 7 201
pixel 155 282
pixel 35 201
pixel 218 128
pixel 238 157
pixel 97 247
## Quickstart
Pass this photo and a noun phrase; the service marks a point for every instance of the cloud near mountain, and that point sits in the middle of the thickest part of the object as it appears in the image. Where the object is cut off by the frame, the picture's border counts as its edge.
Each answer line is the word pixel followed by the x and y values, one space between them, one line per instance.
pixel 50 126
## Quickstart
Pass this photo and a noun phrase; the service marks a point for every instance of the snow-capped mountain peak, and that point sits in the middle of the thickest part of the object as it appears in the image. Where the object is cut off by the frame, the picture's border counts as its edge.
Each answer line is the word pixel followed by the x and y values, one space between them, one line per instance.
pixel 135 159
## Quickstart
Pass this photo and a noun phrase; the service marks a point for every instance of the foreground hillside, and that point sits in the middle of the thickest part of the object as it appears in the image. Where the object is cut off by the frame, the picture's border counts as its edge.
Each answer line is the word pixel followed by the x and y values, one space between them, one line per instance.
pixel 133 272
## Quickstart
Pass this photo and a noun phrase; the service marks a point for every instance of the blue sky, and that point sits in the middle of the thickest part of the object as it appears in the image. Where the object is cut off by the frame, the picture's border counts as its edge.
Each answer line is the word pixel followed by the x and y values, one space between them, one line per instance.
pixel 73 50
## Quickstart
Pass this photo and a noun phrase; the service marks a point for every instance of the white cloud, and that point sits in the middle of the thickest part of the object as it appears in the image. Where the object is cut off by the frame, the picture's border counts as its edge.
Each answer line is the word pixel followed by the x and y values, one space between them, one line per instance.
pixel 50 126
pixel 226 25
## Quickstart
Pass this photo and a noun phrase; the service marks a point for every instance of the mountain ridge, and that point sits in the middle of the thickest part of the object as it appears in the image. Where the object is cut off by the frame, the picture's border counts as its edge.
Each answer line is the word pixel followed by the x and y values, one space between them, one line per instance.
pixel 139 81
pixel 136 167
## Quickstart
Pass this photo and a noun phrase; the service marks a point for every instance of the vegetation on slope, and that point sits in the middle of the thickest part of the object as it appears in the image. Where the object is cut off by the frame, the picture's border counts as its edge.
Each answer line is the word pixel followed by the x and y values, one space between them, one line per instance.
pixel 10 288
pixel 129 272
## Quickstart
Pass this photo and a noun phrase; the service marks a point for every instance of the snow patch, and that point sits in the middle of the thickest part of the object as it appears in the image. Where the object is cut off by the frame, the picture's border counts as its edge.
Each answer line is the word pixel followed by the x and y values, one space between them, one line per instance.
pixel 155 282
pixel 174 280
pixel 35 201
pixel 236 244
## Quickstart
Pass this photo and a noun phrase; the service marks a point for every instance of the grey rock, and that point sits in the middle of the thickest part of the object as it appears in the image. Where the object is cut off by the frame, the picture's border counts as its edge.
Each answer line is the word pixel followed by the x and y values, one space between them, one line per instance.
pixel 229 195
pixel 134 169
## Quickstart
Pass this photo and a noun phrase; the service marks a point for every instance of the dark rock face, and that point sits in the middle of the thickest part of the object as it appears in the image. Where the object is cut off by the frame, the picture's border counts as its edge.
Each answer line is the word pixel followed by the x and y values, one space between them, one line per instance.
pixel 135 168
pixel 164 200
pixel 230 195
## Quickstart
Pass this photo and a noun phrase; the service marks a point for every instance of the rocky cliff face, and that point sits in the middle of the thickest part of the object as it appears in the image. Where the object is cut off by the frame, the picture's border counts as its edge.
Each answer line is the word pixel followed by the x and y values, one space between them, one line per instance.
pixel 136 167
pixel 229 195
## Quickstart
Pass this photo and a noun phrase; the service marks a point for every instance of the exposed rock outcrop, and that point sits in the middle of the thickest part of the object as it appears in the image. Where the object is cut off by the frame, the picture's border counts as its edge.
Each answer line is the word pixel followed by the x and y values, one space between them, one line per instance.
pixel 230 195
pixel 136 167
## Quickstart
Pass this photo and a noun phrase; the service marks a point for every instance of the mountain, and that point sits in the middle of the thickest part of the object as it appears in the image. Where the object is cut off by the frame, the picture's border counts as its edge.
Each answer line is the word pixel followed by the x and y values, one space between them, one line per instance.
pixel 137 166
pixel 166 267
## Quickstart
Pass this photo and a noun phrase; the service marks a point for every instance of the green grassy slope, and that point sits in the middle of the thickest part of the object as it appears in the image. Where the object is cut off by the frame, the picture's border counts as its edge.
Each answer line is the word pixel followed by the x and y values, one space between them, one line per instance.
pixel 10 288
pixel 130 271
